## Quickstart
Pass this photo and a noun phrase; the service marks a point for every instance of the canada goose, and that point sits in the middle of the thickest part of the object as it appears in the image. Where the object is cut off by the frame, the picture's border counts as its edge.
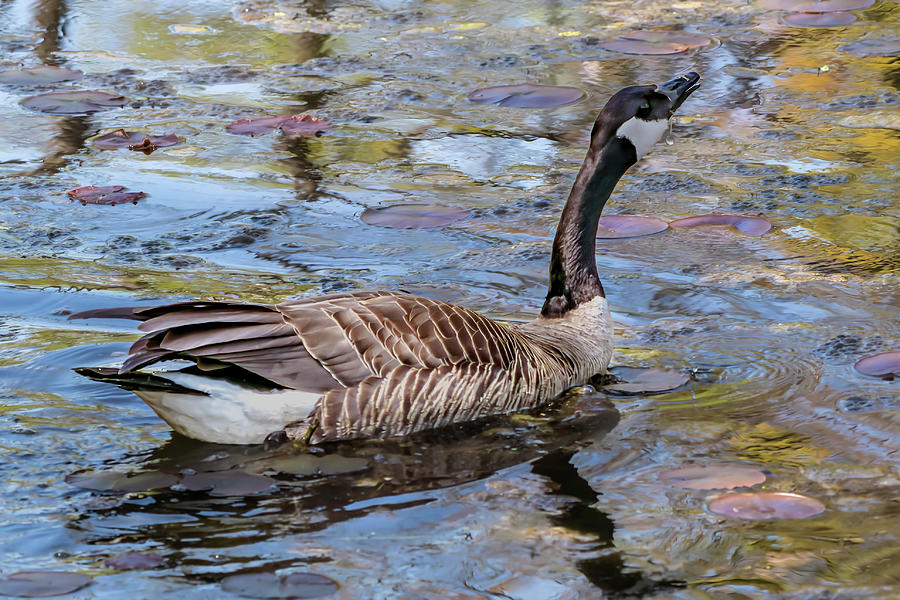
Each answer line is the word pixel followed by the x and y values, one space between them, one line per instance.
pixel 381 364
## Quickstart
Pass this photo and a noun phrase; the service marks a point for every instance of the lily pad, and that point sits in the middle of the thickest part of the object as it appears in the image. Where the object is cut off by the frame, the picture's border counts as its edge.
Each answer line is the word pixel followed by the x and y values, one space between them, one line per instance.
pixel 134 140
pixel 116 481
pixel 304 124
pixel 42 584
pixel 769 505
pixel 626 226
pixel 713 477
pixel 134 560
pixel 813 6
pixel 828 19
pixel 885 365
pixel 874 47
pixel 39 75
pixel 413 216
pixel 527 95
pixel 105 194
pixel 74 102
pixel 650 381
pixel 745 224
pixel 269 585
pixel 655 42
pixel 227 483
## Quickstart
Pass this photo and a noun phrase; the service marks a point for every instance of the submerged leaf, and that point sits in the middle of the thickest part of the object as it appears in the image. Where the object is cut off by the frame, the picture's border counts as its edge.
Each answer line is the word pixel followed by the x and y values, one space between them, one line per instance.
pixel 828 19
pixel 874 47
pixel 650 381
pixel 105 194
pixel 134 560
pixel 228 483
pixel 74 102
pixel 304 124
pixel 655 42
pixel 885 365
pixel 134 140
pixel 42 584
pixel 269 585
pixel 527 95
pixel 813 6
pixel 39 75
pixel 626 226
pixel 713 477
pixel 745 224
pixel 769 505
pixel 413 216
pixel 116 481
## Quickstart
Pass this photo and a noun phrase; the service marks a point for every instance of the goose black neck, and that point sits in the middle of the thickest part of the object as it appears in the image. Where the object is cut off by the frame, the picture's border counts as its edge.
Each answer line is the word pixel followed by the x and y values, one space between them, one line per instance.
pixel 573 267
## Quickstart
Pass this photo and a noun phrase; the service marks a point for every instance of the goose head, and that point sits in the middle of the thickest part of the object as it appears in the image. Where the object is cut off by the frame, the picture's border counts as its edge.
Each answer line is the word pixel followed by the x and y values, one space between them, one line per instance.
pixel 640 114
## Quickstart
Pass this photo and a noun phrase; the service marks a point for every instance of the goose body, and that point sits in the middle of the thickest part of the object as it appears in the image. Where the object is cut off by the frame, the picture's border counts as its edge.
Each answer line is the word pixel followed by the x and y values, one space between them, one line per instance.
pixel 381 364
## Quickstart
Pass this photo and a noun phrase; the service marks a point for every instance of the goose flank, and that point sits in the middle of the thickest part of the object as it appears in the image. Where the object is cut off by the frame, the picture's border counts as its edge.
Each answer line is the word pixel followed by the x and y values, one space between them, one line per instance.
pixel 380 364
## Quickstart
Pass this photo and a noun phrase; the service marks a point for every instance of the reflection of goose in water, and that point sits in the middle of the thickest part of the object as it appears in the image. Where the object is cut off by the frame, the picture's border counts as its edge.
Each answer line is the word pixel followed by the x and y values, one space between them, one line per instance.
pixel 380 364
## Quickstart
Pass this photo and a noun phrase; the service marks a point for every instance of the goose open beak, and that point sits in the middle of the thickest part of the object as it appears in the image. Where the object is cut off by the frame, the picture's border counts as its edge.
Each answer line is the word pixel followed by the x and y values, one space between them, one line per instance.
pixel 678 89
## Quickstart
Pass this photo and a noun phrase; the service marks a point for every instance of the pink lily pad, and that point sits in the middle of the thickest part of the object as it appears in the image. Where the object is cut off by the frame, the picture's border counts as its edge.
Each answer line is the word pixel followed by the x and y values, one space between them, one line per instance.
pixel 714 477
pixel 105 194
pixel 655 42
pixel 269 585
pixel 828 19
pixel 134 560
pixel 42 584
pixel 875 47
pixel 116 481
pixel 745 224
pixel 885 365
pixel 74 102
pixel 832 6
pixel 626 226
pixel 227 483
pixel 650 381
pixel 527 95
pixel 39 75
pixel 135 140
pixel 304 124
pixel 413 216
pixel 769 505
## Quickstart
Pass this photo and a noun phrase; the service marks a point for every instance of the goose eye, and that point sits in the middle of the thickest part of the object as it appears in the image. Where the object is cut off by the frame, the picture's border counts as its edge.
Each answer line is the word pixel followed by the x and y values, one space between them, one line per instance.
pixel 644 108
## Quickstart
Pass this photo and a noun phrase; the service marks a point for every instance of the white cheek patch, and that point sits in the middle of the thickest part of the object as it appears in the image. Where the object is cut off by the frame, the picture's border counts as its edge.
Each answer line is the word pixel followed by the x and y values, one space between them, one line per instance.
pixel 642 134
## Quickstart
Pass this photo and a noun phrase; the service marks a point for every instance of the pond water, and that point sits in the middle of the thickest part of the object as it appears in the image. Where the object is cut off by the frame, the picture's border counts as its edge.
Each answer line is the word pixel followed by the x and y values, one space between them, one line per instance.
pixel 795 124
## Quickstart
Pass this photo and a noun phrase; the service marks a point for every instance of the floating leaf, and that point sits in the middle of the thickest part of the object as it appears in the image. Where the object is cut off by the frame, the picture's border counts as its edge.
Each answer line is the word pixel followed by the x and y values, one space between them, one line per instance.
pixel 885 365
pixel 39 75
pixel 745 224
pixel 655 42
pixel 650 381
pixel 527 95
pixel 190 29
pixel 626 226
pixel 269 585
pixel 815 7
pixel 874 47
pixel 304 124
pixel 134 560
pixel 105 194
pixel 41 584
pixel 134 140
pixel 227 483
pixel 413 216
pixel 306 465
pixel 828 19
pixel 115 481
pixel 713 477
pixel 770 505
pixel 74 102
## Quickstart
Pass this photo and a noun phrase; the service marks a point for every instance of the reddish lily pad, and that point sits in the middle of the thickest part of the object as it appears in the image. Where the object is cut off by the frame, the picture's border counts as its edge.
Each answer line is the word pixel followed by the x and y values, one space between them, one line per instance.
pixel 269 585
pixel 227 483
pixel 828 19
pixel 105 194
pixel 885 365
pixel 74 102
pixel 655 42
pixel 134 560
pixel 42 584
pixel 39 75
pixel 745 224
pixel 713 477
pixel 875 47
pixel 527 95
pixel 116 481
pixel 135 140
pixel 413 216
pixel 770 505
pixel 626 226
pixel 304 124
pixel 650 381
